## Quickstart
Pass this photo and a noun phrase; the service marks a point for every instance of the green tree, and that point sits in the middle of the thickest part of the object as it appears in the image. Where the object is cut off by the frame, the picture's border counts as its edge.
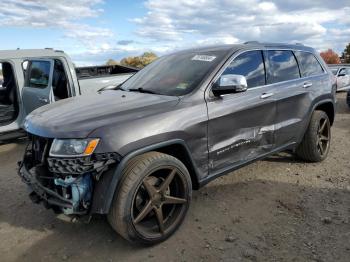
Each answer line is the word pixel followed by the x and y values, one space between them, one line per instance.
pixel 139 61
pixel 346 54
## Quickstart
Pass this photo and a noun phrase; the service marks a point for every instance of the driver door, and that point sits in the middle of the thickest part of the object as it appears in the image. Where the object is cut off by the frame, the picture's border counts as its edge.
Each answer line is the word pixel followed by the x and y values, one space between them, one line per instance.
pixel 241 125
pixel 37 89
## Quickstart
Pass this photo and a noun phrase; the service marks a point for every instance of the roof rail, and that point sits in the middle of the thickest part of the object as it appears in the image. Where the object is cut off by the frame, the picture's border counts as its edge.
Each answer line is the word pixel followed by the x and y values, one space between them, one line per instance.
pixel 251 42
pixel 299 43
pixel 48 48
pixel 59 51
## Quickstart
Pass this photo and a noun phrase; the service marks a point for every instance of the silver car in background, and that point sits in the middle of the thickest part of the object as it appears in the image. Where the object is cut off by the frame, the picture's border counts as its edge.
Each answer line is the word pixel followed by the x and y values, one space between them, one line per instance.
pixel 342 74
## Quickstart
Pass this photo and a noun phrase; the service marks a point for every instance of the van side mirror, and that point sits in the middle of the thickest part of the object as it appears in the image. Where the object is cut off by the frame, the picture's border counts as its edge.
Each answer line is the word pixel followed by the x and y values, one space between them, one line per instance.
pixel 228 84
pixel 342 74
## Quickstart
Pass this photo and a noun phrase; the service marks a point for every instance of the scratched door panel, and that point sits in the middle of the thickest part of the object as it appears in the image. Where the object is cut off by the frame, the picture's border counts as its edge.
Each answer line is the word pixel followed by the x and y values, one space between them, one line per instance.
pixel 240 128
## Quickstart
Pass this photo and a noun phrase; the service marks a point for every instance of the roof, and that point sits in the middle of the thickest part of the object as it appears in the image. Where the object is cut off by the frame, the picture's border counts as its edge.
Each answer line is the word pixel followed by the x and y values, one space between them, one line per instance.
pixel 27 53
pixel 249 45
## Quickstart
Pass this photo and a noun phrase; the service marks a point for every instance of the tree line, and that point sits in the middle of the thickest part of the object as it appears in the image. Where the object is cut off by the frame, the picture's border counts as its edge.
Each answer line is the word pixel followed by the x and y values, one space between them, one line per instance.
pixel 135 61
pixel 331 57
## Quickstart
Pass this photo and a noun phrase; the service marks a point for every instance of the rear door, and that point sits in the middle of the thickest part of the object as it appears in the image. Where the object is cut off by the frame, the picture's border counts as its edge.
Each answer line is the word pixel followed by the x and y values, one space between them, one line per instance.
pixel 315 81
pixel 241 125
pixel 37 89
pixel 284 76
pixel 296 77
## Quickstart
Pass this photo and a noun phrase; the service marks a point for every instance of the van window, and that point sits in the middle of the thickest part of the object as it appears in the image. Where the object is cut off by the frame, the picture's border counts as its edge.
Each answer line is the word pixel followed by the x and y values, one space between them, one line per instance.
pixel 38 75
pixel 251 65
pixel 282 66
pixel 60 85
pixel 309 65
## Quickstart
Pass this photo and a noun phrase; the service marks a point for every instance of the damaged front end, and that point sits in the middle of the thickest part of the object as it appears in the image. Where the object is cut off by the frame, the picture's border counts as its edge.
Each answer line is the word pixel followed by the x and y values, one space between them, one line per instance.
pixel 65 184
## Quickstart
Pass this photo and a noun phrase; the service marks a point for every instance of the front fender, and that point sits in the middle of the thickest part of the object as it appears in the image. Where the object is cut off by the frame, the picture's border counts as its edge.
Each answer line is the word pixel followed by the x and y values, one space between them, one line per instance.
pixel 107 186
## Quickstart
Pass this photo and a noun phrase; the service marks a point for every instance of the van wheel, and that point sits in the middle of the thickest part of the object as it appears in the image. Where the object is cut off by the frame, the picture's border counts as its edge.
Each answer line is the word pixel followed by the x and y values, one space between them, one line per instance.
pixel 316 142
pixel 152 199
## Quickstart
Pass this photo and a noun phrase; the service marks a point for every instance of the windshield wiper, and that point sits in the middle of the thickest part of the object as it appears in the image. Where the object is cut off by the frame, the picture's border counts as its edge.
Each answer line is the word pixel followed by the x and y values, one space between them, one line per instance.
pixel 141 90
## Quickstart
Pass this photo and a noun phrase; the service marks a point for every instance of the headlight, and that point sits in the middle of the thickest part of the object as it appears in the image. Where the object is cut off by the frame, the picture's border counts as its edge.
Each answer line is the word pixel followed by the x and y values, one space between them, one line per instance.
pixel 73 147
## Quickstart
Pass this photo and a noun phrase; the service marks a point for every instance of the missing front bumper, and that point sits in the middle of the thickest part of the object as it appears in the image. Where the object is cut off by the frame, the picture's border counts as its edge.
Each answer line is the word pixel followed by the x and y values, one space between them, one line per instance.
pixel 73 186
pixel 40 193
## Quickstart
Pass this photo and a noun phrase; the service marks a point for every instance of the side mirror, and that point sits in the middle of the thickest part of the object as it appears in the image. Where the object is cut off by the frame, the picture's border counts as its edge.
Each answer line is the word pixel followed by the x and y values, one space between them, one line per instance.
pixel 228 84
pixel 342 74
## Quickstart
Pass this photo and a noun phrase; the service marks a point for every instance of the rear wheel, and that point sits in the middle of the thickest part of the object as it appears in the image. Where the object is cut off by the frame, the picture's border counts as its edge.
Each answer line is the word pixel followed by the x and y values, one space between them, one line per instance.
pixel 316 142
pixel 152 200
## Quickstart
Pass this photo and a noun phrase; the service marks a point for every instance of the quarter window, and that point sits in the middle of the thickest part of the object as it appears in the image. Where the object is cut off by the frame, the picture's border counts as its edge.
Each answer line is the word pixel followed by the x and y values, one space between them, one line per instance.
pixel 38 75
pixel 282 66
pixel 309 65
pixel 251 65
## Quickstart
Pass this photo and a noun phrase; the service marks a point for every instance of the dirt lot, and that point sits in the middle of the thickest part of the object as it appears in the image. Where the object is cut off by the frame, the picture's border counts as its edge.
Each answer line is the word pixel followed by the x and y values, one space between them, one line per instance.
pixel 278 209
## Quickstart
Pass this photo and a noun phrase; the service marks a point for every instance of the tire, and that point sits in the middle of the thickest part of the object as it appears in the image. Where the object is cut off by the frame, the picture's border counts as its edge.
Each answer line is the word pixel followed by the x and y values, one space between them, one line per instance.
pixel 154 187
pixel 316 142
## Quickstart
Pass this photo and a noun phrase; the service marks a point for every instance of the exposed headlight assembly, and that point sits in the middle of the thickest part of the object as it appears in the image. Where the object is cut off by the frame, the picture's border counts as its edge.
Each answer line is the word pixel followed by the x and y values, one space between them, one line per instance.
pixel 73 147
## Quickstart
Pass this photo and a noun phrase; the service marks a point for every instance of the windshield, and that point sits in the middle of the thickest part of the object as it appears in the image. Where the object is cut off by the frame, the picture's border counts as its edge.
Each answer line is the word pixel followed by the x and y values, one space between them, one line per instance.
pixel 176 74
pixel 334 70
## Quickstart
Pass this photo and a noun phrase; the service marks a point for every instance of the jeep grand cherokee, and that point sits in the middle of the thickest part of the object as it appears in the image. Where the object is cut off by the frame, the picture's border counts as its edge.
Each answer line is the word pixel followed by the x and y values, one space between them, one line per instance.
pixel 135 153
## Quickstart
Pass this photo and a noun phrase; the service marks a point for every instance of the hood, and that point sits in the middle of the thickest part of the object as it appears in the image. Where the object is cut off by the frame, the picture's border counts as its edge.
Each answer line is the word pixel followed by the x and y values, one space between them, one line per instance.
pixel 77 117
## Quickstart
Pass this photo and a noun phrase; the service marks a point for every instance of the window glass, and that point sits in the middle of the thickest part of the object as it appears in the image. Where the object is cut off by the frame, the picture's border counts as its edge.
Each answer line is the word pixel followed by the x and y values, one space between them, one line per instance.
pixel 342 71
pixel 176 74
pixel 282 66
pixel 309 64
pixel 250 65
pixel 39 74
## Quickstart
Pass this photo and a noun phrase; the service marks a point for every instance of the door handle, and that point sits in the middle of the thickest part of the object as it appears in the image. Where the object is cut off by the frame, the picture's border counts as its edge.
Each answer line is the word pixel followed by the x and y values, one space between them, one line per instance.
pixel 307 84
pixel 42 99
pixel 266 95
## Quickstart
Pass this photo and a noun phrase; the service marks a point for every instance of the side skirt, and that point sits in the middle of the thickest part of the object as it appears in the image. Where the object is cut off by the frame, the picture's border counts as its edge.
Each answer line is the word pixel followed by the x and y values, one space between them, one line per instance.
pixel 229 169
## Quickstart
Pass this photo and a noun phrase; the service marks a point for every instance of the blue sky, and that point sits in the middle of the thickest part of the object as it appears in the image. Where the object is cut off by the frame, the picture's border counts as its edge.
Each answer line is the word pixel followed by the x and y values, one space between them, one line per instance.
pixel 92 31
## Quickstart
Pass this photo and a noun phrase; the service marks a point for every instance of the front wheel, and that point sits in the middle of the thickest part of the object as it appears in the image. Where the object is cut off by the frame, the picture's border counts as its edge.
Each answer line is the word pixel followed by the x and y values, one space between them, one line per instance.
pixel 152 199
pixel 316 142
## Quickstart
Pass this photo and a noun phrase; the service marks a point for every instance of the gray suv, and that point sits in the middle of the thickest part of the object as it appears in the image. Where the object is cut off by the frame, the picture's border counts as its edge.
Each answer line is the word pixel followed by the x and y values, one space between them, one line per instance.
pixel 135 153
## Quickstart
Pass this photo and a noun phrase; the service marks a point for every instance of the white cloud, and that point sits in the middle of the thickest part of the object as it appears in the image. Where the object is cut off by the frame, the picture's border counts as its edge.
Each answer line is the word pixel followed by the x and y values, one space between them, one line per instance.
pixel 63 14
pixel 216 21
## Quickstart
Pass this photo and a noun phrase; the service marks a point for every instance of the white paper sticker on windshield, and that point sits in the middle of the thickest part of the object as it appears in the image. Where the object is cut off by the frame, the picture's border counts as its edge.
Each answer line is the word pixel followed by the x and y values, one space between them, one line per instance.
pixel 206 58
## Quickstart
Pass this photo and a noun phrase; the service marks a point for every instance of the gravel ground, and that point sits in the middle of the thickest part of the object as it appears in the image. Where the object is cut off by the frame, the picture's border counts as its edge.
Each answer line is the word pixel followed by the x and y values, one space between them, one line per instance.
pixel 278 209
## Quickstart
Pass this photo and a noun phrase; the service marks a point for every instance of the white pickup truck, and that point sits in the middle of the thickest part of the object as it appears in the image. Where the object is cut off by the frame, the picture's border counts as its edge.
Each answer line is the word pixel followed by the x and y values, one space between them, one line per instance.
pixel 32 78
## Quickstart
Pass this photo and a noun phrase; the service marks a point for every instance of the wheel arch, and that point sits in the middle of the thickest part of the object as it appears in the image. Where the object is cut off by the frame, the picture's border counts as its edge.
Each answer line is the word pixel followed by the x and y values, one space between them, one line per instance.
pixel 176 148
pixel 327 105
pixel 328 108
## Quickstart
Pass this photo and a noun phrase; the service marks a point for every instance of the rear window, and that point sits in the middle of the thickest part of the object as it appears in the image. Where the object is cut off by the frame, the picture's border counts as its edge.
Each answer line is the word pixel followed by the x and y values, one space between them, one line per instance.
pixel 282 66
pixel 38 75
pixel 309 65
